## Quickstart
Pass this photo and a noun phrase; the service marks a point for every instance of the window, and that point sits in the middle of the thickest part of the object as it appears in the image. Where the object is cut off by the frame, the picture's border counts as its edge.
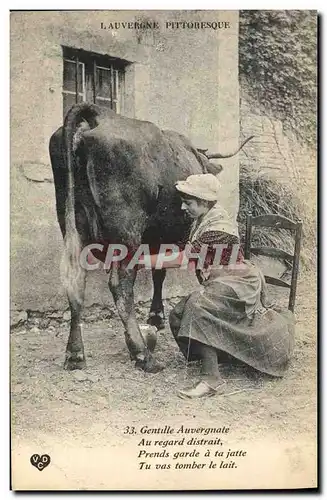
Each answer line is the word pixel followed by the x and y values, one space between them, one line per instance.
pixel 93 78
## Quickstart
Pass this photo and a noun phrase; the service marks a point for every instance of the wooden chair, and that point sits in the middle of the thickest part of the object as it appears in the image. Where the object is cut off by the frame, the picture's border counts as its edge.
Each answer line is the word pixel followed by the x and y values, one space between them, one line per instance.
pixel 276 222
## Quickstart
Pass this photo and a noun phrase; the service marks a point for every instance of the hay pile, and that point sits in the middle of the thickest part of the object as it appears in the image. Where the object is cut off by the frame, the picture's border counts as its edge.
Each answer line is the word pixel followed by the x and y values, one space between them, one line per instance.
pixel 261 194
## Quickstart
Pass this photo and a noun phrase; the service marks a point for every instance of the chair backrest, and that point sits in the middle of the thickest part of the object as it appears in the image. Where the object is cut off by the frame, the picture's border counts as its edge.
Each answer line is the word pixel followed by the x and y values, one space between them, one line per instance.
pixel 276 222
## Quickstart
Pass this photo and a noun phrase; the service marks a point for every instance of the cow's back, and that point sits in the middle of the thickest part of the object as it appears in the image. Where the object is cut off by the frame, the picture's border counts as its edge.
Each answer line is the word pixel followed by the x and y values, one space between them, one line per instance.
pixel 131 168
pixel 145 162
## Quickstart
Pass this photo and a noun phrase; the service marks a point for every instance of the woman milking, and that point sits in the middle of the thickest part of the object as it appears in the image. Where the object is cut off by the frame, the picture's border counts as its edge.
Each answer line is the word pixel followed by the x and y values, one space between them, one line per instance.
pixel 229 314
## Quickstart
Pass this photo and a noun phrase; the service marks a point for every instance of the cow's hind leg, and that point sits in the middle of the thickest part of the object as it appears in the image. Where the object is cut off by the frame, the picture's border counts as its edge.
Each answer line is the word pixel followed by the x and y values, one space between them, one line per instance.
pixel 157 315
pixel 75 357
pixel 121 283
pixel 74 277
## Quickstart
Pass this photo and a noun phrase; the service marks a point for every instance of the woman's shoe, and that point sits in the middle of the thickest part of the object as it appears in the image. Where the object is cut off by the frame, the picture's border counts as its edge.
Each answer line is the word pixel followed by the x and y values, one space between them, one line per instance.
pixel 201 390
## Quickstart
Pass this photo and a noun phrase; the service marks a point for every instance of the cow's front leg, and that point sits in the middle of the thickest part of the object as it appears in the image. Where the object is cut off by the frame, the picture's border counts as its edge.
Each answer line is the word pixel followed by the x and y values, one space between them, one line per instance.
pixel 157 315
pixel 121 284
pixel 75 358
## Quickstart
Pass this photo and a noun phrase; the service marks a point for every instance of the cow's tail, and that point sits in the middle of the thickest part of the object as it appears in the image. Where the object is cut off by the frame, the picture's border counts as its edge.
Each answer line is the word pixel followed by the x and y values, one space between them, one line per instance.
pixel 71 270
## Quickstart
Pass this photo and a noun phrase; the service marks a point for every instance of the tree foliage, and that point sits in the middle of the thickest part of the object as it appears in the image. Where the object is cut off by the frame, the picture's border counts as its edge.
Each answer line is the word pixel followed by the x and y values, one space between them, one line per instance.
pixel 278 59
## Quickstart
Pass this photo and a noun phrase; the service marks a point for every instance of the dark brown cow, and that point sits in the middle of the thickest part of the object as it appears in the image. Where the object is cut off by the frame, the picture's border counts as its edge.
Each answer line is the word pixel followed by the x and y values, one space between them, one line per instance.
pixel 114 181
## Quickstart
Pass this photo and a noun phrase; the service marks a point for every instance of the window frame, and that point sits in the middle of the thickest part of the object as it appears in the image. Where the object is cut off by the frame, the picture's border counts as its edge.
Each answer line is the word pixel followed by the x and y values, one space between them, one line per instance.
pixel 71 92
pixel 114 82
pixel 90 62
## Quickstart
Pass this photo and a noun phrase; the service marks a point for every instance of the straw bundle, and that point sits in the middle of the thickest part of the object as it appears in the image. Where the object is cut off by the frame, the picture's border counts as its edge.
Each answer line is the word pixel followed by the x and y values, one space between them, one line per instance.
pixel 262 194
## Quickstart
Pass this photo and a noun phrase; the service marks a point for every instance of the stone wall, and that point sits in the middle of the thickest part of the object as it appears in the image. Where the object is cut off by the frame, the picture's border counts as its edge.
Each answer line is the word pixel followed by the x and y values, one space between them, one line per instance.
pixel 277 152
pixel 274 149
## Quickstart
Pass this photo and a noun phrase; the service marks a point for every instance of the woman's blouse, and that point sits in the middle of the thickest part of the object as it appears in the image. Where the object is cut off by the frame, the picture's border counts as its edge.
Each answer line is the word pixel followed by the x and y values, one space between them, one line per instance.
pixel 211 238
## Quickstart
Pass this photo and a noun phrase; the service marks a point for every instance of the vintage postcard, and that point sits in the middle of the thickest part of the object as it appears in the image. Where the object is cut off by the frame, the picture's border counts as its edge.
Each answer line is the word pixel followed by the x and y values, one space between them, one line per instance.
pixel 163 250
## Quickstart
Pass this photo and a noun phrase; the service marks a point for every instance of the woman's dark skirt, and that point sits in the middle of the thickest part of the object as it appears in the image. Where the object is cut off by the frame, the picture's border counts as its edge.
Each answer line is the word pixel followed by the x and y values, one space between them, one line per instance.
pixel 217 316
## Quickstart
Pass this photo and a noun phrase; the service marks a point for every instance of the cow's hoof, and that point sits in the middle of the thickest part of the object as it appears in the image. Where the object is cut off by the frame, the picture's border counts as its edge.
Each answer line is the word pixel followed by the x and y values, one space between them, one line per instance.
pixel 133 348
pixel 149 365
pixel 157 320
pixel 74 362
